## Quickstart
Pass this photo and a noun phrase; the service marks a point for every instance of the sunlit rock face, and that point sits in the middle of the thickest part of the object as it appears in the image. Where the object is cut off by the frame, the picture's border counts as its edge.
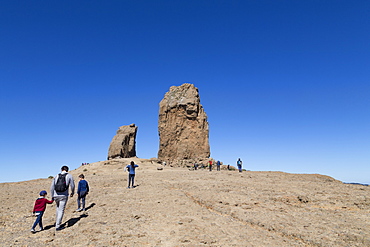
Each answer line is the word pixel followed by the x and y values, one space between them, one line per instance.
pixel 123 144
pixel 183 127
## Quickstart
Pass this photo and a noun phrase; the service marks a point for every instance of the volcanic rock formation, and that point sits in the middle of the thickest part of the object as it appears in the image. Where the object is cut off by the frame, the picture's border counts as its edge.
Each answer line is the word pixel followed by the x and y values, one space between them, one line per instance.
pixel 183 127
pixel 123 144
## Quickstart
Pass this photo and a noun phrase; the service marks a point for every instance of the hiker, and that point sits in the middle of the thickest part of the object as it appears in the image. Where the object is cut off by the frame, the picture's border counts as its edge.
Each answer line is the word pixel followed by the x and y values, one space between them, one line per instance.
pixel 82 191
pixel 210 165
pixel 239 164
pixel 59 192
pixel 195 166
pixel 39 209
pixel 131 174
pixel 218 165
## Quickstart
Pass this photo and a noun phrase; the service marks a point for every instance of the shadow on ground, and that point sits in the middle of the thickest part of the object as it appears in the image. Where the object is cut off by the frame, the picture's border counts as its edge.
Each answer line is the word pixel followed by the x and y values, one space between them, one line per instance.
pixel 71 222
pixel 90 206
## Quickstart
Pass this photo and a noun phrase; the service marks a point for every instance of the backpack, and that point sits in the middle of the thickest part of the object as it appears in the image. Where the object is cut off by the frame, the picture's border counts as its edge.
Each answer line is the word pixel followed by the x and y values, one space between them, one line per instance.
pixel 61 184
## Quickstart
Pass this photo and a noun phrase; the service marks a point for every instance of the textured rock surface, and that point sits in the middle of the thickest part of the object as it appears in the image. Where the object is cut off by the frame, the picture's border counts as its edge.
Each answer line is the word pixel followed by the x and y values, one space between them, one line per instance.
pixel 123 144
pixel 182 125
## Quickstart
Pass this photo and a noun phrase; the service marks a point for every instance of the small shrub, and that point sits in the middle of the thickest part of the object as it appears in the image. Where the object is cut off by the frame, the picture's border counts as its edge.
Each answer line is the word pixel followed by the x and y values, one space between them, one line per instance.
pixel 94 173
pixel 50 177
pixel 85 170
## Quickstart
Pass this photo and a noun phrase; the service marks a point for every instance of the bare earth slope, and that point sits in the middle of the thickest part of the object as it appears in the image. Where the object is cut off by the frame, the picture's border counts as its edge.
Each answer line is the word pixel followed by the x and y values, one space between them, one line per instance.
pixel 178 207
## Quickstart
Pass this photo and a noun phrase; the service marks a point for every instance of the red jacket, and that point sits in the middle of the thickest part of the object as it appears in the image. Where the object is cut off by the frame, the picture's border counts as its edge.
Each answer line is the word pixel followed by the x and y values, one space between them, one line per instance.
pixel 40 204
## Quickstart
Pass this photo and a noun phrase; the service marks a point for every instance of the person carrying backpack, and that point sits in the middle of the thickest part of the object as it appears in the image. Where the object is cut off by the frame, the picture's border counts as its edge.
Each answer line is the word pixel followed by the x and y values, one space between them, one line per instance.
pixel 218 165
pixel 59 193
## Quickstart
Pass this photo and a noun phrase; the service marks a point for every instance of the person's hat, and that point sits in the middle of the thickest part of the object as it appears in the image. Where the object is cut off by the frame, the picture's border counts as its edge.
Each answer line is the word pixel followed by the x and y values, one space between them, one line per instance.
pixel 43 192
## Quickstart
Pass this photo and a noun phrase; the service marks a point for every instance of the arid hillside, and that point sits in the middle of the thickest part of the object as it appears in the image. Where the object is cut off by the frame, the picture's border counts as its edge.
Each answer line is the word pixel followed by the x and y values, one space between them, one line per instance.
pixel 181 207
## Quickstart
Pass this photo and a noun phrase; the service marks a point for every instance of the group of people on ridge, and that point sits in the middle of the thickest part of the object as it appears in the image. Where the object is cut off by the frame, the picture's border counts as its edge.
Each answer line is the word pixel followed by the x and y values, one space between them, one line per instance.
pixel 218 164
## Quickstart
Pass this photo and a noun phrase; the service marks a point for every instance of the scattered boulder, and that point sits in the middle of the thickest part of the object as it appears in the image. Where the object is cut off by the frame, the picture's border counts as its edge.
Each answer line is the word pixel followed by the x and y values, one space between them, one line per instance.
pixel 123 144
pixel 182 125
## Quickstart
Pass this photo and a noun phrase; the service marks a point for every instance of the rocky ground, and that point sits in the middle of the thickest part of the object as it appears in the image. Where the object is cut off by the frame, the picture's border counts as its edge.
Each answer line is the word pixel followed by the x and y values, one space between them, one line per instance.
pixel 179 207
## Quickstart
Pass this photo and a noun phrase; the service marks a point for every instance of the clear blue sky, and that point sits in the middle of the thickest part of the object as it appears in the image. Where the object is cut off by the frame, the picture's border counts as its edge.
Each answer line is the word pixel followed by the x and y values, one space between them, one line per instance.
pixel 285 84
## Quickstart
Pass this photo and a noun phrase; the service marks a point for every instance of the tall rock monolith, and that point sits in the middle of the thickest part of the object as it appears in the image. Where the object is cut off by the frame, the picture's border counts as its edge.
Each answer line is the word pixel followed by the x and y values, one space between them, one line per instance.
pixel 182 125
pixel 123 144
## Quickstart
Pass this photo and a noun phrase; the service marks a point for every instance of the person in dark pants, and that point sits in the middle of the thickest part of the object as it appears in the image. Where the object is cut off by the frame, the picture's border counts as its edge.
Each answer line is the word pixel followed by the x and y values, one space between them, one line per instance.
pixel 210 165
pixel 82 191
pixel 131 176
pixel 218 165
pixel 239 164
pixel 39 209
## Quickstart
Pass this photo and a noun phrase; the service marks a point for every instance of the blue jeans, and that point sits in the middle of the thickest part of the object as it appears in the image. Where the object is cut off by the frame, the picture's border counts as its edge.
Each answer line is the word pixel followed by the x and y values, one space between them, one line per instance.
pixel 38 219
pixel 81 199
pixel 131 178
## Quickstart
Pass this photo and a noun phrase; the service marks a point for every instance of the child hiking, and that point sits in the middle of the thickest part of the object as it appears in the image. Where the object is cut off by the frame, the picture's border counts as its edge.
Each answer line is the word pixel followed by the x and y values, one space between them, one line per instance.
pixel 131 175
pixel 82 191
pixel 39 209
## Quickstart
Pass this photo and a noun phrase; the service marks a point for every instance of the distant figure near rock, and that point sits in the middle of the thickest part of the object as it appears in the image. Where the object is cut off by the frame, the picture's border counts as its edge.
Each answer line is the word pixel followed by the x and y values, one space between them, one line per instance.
pixel 182 125
pixel 123 144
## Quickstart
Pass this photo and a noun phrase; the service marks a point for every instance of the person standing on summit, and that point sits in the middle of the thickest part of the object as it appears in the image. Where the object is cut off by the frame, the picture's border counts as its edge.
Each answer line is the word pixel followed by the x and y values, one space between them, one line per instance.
pixel 210 165
pixel 239 164
pixel 59 192
pixel 218 165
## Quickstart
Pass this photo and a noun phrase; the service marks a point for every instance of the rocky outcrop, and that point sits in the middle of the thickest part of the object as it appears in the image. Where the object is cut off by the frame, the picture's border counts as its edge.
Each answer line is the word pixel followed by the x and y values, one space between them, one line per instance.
pixel 123 144
pixel 183 127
